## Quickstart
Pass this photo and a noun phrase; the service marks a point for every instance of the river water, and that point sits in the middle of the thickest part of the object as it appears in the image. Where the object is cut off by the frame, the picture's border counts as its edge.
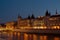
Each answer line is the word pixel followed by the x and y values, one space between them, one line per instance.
pixel 17 36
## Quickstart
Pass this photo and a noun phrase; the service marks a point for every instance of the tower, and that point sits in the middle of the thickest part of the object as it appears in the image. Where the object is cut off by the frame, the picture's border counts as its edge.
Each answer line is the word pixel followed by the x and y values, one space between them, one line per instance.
pixel 56 12
pixel 29 17
pixel 32 17
pixel 47 13
pixel 18 20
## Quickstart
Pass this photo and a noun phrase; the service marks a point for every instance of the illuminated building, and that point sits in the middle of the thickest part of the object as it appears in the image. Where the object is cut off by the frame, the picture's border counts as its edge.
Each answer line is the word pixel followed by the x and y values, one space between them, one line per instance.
pixel 10 25
pixel 42 22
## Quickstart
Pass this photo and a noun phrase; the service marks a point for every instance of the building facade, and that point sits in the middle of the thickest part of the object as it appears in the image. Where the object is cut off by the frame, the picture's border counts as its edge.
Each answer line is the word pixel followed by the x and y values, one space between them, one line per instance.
pixel 42 22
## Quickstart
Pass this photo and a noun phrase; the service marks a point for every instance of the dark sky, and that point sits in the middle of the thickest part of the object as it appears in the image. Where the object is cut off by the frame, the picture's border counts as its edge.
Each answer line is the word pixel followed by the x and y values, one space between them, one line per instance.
pixel 9 9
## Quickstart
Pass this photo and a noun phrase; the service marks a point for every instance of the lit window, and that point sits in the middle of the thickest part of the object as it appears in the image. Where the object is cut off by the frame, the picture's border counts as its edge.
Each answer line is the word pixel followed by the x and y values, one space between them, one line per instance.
pixel 55 27
pixel 52 19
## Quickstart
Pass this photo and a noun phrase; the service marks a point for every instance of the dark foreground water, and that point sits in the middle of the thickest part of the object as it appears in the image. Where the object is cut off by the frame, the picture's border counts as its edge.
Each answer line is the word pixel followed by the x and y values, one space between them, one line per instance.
pixel 18 36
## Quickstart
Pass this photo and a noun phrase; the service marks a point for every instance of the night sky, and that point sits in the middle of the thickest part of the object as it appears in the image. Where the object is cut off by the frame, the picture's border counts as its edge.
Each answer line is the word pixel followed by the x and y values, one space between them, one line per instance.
pixel 9 9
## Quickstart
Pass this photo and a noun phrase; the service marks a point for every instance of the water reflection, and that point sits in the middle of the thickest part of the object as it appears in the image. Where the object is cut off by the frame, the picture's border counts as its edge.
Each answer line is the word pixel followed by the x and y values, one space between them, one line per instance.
pixel 25 36
pixel 43 37
pixel 17 36
pixel 34 37
pixel 56 38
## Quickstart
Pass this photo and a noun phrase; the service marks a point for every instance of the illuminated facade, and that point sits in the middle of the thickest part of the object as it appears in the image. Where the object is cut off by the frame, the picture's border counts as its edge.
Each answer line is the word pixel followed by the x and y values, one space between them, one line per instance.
pixel 42 22
pixel 10 25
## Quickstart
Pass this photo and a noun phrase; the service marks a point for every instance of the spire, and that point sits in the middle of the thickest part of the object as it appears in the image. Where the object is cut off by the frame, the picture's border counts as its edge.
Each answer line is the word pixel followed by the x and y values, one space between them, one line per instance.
pixel 49 14
pixel 32 16
pixel 56 12
pixel 46 14
pixel 19 16
pixel 29 17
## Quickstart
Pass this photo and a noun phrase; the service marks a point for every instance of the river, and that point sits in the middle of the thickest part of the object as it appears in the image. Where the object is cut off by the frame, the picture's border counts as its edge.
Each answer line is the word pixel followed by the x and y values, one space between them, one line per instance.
pixel 17 36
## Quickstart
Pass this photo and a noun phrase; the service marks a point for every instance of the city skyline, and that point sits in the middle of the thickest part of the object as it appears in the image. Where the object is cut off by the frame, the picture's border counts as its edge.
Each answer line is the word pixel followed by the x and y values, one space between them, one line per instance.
pixel 10 9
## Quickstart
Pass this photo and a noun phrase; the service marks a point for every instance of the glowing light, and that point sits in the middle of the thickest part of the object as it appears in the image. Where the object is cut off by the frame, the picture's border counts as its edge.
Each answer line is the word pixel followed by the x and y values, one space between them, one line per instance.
pixel 55 27
pixel 52 18
pixel 39 27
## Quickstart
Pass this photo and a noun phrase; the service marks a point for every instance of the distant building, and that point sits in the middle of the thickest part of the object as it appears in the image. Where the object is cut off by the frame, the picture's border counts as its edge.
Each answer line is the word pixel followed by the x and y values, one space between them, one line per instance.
pixel 10 25
pixel 2 26
pixel 42 22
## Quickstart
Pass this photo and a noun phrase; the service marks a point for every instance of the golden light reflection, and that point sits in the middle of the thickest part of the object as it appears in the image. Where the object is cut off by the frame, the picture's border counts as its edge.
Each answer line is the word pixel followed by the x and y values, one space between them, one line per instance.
pixel 43 37
pixel 11 34
pixel 18 35
pixel 56 38
pixel 34 37
pixel 25 36
pixel 14 33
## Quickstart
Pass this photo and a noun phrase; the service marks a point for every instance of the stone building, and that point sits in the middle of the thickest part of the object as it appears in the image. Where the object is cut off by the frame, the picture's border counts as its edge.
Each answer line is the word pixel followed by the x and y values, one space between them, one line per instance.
pixel 42 22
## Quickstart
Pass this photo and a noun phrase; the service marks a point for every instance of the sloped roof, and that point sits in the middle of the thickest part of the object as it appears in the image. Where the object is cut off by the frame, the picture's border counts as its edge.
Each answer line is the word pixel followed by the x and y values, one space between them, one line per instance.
pixel 55 16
